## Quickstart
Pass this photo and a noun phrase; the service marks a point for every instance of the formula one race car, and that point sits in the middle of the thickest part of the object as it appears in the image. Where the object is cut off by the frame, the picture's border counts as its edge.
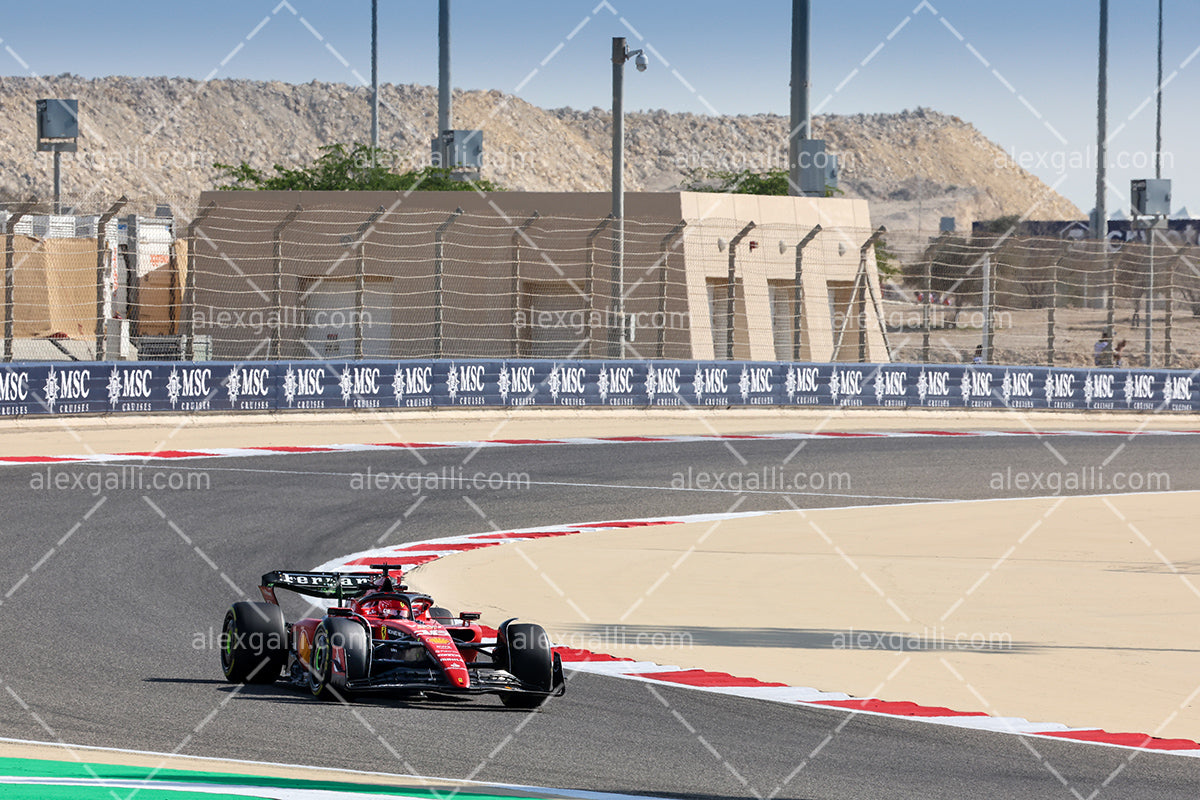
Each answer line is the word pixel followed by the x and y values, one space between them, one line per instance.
pixel 381 637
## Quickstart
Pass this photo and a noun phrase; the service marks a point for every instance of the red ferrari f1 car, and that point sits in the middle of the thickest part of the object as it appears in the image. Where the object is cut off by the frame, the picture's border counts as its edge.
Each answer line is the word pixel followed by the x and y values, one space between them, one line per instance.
pixel 381 637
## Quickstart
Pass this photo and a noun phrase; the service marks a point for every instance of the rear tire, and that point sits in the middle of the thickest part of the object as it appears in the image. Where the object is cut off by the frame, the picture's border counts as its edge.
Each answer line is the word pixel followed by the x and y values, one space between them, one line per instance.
pixel 524 650
pixel 254 643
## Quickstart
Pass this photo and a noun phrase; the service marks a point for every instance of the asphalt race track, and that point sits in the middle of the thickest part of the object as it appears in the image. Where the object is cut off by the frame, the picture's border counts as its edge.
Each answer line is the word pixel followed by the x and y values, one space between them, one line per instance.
pixel 112 601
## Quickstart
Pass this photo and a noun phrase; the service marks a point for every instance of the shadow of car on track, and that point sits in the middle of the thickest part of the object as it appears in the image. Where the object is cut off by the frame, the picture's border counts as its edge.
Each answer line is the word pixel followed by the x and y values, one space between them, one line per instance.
pixel 654 643
pixel 282 693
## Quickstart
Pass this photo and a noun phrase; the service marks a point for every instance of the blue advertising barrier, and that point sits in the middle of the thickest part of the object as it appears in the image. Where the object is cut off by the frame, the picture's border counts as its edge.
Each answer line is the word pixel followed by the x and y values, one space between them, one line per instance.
pixel 64 388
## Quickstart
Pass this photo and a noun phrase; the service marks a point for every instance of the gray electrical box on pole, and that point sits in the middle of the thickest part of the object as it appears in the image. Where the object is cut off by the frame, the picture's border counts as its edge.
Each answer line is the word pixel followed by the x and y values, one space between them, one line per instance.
pixel 818 168
pixel 57 121
pixel 458 150
pixel 57 132
pixel 1151 197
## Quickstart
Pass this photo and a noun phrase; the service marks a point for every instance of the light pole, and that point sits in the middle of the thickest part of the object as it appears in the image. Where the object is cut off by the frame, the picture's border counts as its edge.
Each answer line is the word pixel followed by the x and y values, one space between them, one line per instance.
pixel 620 54
pixel 374 73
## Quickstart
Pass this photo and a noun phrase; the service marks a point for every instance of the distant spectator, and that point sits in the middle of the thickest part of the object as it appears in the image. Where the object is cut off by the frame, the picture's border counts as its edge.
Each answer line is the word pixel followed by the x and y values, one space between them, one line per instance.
pixel 978 359
pixel 1102 351
pixel 1118 353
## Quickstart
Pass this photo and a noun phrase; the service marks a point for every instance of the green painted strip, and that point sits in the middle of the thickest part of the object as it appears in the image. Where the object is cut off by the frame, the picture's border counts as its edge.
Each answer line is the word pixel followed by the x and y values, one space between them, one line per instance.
pixel 39 768
pixel 101 793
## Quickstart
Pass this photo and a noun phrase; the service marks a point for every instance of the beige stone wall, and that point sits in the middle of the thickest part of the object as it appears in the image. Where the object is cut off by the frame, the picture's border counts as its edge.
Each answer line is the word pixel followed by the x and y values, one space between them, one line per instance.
pixel 486 292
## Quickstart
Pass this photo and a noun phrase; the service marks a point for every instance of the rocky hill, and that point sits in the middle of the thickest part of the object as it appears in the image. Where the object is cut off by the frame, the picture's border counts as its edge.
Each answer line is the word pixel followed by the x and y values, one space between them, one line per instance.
pixel 156 140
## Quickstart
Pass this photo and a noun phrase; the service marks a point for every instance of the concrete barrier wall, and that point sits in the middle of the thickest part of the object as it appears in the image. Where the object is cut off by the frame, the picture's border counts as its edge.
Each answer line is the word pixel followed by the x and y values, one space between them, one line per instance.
pixel 124 387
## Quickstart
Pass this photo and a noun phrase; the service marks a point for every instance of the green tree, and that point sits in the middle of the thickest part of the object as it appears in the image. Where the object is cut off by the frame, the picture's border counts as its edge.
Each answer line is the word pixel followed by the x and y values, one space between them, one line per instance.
pixel 773 182
pixel 358 167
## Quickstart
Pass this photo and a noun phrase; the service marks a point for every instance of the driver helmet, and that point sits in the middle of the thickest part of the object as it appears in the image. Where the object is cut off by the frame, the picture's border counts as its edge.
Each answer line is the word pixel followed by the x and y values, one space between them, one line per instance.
pixel 392 609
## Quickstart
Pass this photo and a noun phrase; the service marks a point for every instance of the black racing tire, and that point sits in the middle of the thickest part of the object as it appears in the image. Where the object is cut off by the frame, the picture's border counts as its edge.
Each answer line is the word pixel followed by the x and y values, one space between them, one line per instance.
pixel 442 615
pixel 352 637
pixel 524 649
pixel 253 643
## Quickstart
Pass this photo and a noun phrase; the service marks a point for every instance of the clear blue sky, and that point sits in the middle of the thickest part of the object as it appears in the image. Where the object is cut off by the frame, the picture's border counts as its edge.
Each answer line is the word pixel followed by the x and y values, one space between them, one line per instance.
pixel 1022 71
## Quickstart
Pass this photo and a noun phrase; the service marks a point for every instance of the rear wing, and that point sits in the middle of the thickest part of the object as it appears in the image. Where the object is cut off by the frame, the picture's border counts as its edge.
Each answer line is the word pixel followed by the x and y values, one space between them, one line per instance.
pixel 327 585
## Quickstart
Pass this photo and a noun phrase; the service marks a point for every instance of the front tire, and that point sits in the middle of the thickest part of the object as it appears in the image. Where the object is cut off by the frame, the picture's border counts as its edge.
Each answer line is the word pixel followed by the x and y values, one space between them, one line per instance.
pixel 323 681
pixel 525 653
pixel 253 643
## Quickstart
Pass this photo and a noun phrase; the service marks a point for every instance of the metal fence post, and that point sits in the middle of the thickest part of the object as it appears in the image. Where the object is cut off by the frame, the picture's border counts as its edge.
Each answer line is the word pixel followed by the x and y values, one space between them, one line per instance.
pixel 589 281
pixel 9 272
pixel 1110 266
pixel 360 297
pixel 515 285
pixel 926 312
pixel 665 247
pixel 864 289
pixel 359 240
pixel 439 271
pixel 133 281
pixel 731 288
pixel 277 288
pixel 987 308
pixel 798 292
pixel 1050 313
pixel 101 248
pixel 1169 310
pixel 189 284
pixel 1150 300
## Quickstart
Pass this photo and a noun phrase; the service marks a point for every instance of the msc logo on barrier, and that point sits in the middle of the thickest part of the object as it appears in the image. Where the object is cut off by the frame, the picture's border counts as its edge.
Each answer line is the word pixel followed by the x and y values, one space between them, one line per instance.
pixel 1100 390
pixel 249 388
pixel 803 385
pixel 976 389
pixel 664 386
pixel 1177 392
pixel 465 384
pixel 1017 389
pixel 757 386
pixel 69 390
pixel 1139 391
pixel 567 385
pixel 890 388
pixel 304 387
pixel 129 389
pixel 189 388
pixel 14 392
pixel 360 387
pixel 711 386
pixel 519 382
pixel 1060 389
pixel 615 385
pixel 933 388
pixel 413 387
pixel 846 386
